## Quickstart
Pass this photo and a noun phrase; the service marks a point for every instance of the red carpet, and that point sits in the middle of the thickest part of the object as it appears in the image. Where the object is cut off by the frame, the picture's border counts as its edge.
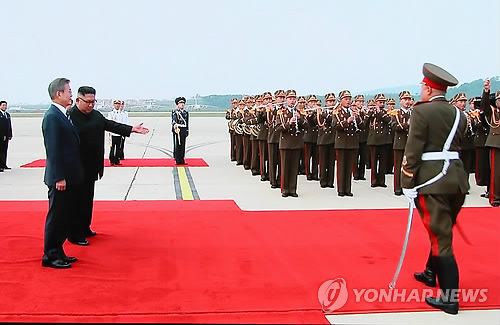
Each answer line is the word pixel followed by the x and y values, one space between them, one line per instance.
pixel 208 261
pixel 137 162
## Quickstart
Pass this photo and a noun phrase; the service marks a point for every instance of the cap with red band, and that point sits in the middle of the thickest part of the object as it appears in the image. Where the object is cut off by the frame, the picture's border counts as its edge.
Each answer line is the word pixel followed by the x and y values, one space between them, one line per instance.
pixel 437 78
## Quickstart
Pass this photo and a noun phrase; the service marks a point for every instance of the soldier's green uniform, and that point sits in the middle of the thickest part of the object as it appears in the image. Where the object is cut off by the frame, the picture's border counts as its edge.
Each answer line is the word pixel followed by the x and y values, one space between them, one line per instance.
pixel 238 132
pixel 229 117
pixel 291 142
pixel 493 142
pixel 273 139
pixel 346 143
pixel 400 125
pixel 481 131
pixel 262 137
pixel 311 156
pixel 438 203
pixel 377 141
pixel 326 143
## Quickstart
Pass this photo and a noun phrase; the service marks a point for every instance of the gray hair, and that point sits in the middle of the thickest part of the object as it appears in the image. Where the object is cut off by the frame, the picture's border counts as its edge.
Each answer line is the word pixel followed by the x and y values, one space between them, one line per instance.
pixel 57 85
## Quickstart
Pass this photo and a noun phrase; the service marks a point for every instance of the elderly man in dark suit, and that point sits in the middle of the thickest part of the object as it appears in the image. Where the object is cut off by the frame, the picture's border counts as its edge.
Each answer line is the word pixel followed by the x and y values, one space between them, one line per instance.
pixel 90 125
pixel 5 134
pixel 63 172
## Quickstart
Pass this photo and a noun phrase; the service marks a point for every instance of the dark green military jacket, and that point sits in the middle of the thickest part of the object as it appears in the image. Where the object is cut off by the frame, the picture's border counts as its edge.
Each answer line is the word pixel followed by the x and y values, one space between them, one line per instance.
pixel 263 128
pixel 347 135
pixel 431 123
pixel 291 135
pixel 311 129
pixel 401 124
pixel 326 132
pixel 493 118
pixel 481 130
pixel 272 135
pixel 378 133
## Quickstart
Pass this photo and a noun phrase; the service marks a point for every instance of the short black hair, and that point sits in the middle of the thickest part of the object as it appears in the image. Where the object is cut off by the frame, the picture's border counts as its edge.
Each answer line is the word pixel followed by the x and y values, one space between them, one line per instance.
pixel 86 90
pixel 3 102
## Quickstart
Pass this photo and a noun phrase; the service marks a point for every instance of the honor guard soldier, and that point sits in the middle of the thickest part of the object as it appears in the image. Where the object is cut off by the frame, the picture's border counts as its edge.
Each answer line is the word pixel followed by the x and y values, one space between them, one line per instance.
pixel 347 128
pixel 247 147
pixel 401 126
pixel 238 132
pixel 254 141
pixel 432 162
pixel 262 135
pixel 326 140
pixel 481 131
pixel 114 152
pixel 467 149
pixel 301 105
pixel 311 156
pixel 290 124
pixel 377 141
pixel 371 108
pixel 229 117
pixel 180 130
pixel 491 110
pixel 273 140
pixel 363 155
pixel 391 110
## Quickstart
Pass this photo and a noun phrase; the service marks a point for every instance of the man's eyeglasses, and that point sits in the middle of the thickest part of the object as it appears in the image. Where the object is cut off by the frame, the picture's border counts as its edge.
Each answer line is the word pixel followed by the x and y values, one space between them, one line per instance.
pixel 90 102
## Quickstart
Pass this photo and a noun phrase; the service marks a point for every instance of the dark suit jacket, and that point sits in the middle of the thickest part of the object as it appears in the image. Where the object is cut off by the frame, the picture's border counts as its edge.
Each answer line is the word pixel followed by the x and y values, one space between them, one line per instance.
pixel 5 126
pixel 62 149
pixel 91 129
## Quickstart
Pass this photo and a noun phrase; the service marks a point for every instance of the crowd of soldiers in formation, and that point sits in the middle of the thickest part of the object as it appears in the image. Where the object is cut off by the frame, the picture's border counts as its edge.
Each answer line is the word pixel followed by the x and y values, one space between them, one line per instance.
pixel 279 137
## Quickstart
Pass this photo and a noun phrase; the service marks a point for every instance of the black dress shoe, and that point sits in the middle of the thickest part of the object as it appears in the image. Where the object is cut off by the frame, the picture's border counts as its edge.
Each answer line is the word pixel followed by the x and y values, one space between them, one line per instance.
pixel 356 178
pixel 382 185
pixel 284 194
pixel 362 179
pixel 341 194
pixel 294 195
pixel 428 277
pixel 485 195
pixel 7 168
pixel 349 194
pixel 81 242
pixel 264 178
pixel 1 170
pixel 331 186
pixel 239 164
pixel 56 264
pixel 322 185
pixel 447 307
pixel 69 259
pixel 398 193
pixel 374 185
pixel 274 186
pixel 495 203
pixel 309 178
pixel 255 173
pixel 315 178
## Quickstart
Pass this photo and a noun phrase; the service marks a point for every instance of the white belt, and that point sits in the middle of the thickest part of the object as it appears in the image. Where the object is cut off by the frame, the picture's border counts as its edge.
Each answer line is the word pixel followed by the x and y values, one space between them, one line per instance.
pixel 440 155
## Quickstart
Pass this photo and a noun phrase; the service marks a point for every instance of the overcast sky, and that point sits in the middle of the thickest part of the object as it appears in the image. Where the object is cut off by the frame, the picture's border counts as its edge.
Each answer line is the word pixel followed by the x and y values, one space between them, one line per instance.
pixel 163 49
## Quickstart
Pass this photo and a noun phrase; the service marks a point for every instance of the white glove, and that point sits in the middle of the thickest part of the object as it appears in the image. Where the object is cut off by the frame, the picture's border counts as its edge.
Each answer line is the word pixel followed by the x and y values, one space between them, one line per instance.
pixel 410 193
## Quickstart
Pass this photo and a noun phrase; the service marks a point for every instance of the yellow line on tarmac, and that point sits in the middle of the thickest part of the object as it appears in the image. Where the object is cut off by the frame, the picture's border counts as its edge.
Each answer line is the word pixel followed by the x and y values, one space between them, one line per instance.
pixel 187 193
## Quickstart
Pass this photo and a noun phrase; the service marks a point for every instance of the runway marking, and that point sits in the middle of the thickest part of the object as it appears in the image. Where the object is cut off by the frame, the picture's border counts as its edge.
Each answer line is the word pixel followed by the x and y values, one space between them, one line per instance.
pixel 184 184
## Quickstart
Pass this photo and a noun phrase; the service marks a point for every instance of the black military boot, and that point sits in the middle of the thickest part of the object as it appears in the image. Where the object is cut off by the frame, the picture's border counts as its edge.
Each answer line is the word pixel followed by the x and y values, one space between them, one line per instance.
pixel 428 277
pixel 447 273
